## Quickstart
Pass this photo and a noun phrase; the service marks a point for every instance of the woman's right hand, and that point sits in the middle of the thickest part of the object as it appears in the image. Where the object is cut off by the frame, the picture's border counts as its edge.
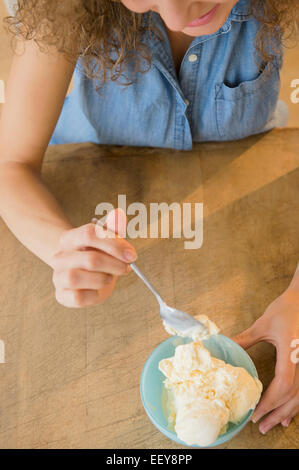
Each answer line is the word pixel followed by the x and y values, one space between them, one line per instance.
pixel 86 267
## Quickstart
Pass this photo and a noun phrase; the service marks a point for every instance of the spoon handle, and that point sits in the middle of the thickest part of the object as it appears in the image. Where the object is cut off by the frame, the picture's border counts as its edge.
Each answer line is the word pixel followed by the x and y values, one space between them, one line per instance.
pixel 146 282
pixel 136 269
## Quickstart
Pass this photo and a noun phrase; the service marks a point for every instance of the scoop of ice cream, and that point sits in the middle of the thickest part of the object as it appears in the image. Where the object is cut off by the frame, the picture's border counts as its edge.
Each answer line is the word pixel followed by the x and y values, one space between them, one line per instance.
pixel 187 358
pixel 197 333
pixel 206 392
pixel 201 421
pixel 246 392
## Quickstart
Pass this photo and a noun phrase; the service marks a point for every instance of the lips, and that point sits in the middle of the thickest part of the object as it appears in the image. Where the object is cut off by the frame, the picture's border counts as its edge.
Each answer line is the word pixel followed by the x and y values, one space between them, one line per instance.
pixel 204 19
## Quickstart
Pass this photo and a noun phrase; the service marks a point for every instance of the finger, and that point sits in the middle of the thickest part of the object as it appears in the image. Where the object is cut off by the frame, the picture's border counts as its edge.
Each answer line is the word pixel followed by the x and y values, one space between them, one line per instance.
pixel 285 368
pixel 248 337
pixel 96 236
pixel 277 416
pixel 81 279
pixel 106 291
pixel 90 260
pixel 286 422
pixel 276 394
pixel 281 386
pixel 77 298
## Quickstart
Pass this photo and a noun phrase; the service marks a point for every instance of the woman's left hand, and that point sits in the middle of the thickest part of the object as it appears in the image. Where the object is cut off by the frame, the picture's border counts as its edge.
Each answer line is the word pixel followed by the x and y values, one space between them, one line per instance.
pixel 279 325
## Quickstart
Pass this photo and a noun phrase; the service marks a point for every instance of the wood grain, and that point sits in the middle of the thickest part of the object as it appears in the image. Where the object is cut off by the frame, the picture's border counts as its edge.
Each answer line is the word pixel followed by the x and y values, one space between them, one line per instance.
pixel 71 377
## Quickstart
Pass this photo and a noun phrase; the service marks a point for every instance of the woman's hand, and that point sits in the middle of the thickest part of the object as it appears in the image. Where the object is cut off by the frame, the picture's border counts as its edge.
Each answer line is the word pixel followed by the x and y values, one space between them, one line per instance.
pixel 86 267
pixel 279 325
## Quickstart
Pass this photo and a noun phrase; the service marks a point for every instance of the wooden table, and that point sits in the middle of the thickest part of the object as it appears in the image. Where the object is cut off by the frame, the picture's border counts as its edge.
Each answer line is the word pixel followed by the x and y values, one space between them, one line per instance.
pixel 71 377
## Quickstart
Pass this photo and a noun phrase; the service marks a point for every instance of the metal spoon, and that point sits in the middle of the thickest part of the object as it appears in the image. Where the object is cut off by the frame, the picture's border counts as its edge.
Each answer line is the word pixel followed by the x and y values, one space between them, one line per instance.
pixel 176 320
pixel 179 321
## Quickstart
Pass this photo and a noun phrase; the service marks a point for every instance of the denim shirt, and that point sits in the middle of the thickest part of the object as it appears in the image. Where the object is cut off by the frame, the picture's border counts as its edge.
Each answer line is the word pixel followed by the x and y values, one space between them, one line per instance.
pixel 219 94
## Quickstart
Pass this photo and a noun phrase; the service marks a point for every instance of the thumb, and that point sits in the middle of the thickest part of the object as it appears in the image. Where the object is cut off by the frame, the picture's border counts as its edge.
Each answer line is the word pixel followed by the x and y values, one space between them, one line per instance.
pixel 248 337
pixel 116 221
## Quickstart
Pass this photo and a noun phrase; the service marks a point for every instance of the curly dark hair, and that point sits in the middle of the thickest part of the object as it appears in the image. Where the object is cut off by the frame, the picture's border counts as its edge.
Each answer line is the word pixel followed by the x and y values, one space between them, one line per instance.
pixel 83 28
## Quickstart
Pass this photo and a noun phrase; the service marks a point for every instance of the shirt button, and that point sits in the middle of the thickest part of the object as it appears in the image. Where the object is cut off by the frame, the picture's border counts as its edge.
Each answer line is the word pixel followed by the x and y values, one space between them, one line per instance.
pixel 192 58
pixel 187 102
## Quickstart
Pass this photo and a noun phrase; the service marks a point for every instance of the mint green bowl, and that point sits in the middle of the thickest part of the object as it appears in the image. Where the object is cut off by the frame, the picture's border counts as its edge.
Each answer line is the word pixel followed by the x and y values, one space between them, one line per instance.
pixel 151 384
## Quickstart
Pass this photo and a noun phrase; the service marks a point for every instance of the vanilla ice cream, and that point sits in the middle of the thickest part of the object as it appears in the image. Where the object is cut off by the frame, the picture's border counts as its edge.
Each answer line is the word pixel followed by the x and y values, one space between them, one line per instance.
pixel 197 333
pixel 205 393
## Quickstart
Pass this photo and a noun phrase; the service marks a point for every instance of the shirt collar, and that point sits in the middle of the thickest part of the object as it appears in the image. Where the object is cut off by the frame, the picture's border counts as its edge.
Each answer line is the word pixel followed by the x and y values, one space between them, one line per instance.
pixel 161 53
pixel 241 11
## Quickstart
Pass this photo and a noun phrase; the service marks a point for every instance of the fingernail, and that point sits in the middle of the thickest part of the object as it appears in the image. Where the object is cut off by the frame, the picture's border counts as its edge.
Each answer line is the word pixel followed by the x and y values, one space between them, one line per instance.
pixel 129 255
pixel 286 423
pixel 264 429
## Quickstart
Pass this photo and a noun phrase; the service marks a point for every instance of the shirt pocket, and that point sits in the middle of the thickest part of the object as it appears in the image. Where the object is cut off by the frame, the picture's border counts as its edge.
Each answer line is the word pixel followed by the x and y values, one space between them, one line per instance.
pixel 245 109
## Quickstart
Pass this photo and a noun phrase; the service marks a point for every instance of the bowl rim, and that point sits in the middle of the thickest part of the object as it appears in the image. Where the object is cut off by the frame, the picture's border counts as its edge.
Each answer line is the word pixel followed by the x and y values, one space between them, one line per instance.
pixel 170 434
